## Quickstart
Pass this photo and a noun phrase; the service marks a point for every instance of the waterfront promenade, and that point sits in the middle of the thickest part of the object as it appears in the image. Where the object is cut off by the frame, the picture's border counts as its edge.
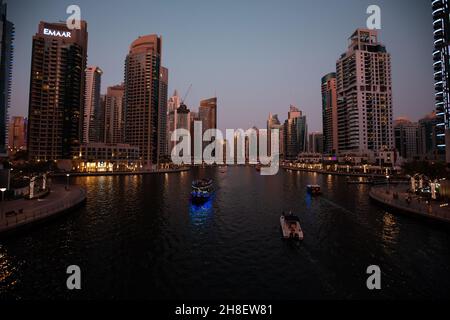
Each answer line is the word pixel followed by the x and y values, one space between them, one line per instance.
pixel 399 199
pixel 122 173
pixel 336 173
pixel 18 213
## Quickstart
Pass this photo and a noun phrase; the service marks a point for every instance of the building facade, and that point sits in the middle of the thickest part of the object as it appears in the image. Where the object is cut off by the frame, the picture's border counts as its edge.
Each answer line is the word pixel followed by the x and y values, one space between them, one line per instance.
pixel 17 135
pixel 172 106
pixel 6 63
pixel 364 93
pixel 56 91
pixel 441 65
pixel 93 119
pixel 208 113
pixel 406 135
pixel 295 134
pixel 114 115
pixel 102 119
pixel 183 121
pixel 184 117
pixel 427 137
pixel 315 143
pixel 163 89
pixel 329 114
pixel 273 123
pixel 142 97
pixel 104 157
pixel 194 116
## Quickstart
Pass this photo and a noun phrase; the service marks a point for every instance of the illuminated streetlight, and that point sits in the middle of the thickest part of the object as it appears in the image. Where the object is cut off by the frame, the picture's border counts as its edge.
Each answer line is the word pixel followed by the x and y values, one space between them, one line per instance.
pixel 3 198
pixel 3 193
pixel 67 183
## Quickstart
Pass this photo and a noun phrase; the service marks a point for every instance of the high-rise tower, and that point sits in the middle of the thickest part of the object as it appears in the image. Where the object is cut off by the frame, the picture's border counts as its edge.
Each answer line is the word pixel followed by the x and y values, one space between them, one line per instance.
pixel 162 127
pixel 441 57
pixel 172 106
pixel 6 59
pixel 93 113
pixel 364 92
pixel 57 85
pixel 295 134
pixel 207 113
pixel 114 115
pixel 273 123
pixel 329 114
pixel 143 81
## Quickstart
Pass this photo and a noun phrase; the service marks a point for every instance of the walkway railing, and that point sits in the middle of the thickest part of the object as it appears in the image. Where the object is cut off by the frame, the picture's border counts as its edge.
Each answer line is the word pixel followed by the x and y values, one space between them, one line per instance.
pixel 403 201
pixel 24 216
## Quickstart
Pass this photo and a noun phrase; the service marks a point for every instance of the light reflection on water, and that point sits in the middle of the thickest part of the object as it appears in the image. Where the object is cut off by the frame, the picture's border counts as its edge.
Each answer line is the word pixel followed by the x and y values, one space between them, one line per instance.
pixel 201 214
pixel 140 237
pixel 308 200
pixel 7 271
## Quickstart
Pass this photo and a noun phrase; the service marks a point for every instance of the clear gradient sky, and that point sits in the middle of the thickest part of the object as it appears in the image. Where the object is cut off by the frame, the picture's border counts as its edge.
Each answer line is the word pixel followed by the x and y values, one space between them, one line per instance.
pixel 258 56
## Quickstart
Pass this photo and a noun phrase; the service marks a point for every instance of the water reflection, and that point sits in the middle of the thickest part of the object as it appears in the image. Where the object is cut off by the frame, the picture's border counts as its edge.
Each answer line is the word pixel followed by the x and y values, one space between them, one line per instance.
pixel 164 242
pixel 390 230
pixel 7 271
pixel 308 200
pixel 201 214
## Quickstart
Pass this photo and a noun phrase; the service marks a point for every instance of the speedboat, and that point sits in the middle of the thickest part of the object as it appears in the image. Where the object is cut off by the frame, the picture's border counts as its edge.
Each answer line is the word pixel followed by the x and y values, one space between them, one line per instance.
pixel 314 189
pixel 202 191
pixel 290 226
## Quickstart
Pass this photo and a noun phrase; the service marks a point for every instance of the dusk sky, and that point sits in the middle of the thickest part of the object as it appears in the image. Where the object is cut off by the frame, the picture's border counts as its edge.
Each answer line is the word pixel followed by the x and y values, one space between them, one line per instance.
pixel 256 56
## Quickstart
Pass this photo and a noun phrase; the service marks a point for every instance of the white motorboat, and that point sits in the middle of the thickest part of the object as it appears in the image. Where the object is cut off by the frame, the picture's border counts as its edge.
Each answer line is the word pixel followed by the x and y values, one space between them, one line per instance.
pixel 290 226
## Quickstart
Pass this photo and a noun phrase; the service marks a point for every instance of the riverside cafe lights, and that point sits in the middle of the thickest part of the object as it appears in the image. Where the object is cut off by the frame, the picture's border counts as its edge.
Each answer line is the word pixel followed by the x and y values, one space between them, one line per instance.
pixel 421 183
pixel 106 166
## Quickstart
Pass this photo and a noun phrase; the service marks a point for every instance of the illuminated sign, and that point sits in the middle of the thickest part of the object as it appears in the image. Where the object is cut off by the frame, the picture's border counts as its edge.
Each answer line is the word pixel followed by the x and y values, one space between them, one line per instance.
pixel 57 33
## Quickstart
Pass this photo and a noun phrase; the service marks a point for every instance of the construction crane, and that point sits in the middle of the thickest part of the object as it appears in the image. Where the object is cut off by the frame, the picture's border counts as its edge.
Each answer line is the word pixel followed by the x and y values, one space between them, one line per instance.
pixel 187 93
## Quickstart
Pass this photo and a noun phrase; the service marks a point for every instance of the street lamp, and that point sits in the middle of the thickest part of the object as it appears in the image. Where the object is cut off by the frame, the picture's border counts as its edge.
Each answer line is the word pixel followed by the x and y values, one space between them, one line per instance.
pixel 67 183
pixel 3 198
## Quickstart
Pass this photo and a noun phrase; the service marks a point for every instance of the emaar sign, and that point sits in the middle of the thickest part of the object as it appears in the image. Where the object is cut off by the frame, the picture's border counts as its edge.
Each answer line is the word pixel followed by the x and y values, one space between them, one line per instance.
pixel 57 33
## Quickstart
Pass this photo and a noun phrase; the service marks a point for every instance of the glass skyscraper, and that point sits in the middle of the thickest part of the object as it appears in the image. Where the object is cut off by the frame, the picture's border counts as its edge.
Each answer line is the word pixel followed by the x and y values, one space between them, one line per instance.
pixel 6 59
pixel 329 114
pixel 441 58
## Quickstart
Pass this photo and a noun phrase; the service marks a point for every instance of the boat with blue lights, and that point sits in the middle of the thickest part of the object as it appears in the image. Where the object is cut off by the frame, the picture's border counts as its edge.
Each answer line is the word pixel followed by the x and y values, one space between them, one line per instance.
pixel 202 191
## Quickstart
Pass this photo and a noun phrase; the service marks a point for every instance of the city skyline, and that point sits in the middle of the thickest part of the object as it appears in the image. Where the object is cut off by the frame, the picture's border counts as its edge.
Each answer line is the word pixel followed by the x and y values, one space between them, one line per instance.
pixel 289 67
pixel 191 150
